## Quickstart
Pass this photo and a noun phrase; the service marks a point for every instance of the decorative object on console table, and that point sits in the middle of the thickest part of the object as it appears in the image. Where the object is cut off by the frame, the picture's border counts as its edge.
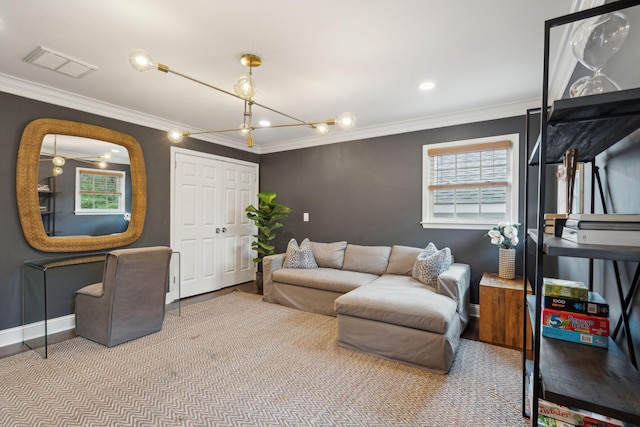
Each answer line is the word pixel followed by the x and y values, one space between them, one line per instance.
pixel 501 311
pixel 505 237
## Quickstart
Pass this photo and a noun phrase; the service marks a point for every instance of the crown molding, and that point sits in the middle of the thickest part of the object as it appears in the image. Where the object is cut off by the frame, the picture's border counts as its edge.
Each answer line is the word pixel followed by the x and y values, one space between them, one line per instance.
pixel 31 90
pixel 433 122
pixel 38 92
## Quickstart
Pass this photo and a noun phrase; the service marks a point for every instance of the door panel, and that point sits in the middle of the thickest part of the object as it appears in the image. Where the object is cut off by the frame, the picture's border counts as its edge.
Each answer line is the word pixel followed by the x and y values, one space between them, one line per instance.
pixel 210 227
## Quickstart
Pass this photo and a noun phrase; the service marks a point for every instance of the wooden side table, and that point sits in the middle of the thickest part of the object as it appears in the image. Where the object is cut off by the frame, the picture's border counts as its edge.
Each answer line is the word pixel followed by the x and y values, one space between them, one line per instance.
pixel 501 310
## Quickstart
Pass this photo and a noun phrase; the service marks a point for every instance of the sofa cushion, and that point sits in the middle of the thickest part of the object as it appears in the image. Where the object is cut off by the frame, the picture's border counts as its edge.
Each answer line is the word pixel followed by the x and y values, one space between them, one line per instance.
pixel 414 307
pixel 397 280
pixel 402 259
pixel 329 255
pixel 366 259
pixel 299 256
pixel 430 263
pixel 328 279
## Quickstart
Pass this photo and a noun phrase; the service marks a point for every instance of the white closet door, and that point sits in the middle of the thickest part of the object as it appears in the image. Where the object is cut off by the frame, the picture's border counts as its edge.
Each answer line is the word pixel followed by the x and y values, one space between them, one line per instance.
pixel 238 193
pixel 211 231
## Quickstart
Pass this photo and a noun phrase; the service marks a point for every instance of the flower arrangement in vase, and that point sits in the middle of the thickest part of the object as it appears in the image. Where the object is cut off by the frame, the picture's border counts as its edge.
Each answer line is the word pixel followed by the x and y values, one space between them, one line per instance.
pixel 505 237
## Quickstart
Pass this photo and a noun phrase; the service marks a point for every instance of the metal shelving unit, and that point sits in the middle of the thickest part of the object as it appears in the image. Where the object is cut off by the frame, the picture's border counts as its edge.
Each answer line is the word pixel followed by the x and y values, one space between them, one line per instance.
pixel 594 379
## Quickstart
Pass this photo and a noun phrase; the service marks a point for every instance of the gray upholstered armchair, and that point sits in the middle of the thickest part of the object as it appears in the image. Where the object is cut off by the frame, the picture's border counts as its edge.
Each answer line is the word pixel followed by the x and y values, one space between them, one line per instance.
pixel 129 302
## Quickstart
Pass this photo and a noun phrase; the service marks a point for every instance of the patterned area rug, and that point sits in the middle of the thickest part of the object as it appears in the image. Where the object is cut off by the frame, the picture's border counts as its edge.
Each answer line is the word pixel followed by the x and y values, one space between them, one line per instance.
pixel 238 361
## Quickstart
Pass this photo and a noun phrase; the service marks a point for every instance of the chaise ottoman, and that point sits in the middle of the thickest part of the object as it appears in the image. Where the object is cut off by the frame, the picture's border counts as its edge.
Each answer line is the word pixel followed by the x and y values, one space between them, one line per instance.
pixel 410 324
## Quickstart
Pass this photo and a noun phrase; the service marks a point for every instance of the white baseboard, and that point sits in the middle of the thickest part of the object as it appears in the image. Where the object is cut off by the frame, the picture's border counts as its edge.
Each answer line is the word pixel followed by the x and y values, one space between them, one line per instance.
pixel 35 330
pixel 474 310
pixel 59 324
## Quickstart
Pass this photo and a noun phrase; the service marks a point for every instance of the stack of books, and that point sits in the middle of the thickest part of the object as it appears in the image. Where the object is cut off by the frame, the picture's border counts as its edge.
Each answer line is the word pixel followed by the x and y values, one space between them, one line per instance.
pixel 603 229
pixel 571 313
pixel 550 220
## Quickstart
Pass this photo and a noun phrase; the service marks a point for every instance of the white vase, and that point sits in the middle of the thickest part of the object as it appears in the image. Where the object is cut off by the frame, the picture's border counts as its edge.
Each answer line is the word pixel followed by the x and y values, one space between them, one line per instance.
pixel 507 263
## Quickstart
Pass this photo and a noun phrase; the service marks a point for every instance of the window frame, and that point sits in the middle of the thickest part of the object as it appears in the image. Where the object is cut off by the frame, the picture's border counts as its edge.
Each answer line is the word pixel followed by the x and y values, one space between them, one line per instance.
pixel 513 189
pixel 122 175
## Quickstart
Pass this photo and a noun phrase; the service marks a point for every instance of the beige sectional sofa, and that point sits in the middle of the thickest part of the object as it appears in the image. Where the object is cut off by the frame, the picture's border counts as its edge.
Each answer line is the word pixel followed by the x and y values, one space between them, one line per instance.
pixel 381 308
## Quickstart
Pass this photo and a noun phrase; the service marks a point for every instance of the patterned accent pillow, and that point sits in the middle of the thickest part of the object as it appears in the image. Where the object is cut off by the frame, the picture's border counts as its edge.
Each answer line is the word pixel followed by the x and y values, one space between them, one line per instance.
pixel 299 257
pixel 430 263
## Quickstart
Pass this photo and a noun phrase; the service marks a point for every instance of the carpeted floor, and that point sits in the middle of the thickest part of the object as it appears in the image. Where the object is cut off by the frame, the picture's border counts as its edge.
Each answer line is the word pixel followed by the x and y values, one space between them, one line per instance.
pixel 238 361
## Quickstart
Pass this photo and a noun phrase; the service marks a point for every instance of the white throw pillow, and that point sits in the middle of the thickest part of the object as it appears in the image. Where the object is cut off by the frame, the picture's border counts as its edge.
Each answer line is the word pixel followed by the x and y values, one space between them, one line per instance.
pixel 430 263
pixel 299 256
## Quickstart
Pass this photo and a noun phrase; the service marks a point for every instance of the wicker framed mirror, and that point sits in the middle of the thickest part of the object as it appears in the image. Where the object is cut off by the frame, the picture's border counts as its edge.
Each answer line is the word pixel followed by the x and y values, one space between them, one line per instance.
pixel 27 187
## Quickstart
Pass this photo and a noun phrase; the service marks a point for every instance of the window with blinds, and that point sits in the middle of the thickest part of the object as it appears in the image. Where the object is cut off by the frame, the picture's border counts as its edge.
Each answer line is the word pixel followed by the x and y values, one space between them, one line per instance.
pixel 99 191
pixel 470 182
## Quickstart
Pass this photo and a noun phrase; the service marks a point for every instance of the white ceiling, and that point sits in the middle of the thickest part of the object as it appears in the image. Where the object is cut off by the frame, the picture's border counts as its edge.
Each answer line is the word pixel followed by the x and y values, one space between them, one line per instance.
pixel 319 59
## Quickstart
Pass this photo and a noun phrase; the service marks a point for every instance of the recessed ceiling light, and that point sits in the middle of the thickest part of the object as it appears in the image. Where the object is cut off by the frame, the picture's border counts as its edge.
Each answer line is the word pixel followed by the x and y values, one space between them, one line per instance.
pixel 427 85
pixel 264 123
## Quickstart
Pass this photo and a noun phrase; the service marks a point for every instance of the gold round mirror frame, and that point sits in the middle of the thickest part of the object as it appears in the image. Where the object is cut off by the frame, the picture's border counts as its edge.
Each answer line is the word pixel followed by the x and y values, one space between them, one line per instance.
pixel 27 185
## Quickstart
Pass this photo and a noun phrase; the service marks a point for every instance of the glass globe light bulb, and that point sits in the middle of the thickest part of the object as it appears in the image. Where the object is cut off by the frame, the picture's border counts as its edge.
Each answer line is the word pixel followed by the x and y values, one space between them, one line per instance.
pixel 346 120
pixel 57 171
pixel 244 130
pixel 58 161
pixel 175 135
pixel 245 87
pixel 106 156
pixel 322 129
pixel 141 60
pixel 102 164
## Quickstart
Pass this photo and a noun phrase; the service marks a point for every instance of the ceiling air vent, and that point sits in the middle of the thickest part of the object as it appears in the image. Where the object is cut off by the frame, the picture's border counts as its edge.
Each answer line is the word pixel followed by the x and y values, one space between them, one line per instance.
pixel 52 60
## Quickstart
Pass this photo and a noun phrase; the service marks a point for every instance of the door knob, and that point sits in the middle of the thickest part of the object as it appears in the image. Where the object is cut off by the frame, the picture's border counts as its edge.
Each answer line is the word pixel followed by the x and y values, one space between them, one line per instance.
pixel 217 230
pixel 224 230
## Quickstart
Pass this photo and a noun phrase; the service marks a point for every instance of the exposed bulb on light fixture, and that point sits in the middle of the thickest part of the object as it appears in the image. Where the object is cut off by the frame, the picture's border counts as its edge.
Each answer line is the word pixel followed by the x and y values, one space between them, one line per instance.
pixel 57 171
pixel 175 135
pixel 102 164
pixel 245 87
pixel 244 130
pixel 322 129
pixel 141 60
pixel 346 120
pixel 106 156
pixel 58 161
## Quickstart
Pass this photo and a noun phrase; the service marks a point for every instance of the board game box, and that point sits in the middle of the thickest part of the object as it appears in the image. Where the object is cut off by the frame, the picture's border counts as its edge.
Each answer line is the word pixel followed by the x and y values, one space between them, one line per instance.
pixel 594 306
pixel 575 322
pixel 565 288
pixel 576 337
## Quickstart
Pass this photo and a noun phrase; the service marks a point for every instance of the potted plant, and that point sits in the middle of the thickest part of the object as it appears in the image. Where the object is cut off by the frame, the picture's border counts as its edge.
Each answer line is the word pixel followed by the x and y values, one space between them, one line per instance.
pixel 265 217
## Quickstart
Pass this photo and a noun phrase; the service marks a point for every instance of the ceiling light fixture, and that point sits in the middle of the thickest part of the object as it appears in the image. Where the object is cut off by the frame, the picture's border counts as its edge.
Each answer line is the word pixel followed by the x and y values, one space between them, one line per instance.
pixel 245 89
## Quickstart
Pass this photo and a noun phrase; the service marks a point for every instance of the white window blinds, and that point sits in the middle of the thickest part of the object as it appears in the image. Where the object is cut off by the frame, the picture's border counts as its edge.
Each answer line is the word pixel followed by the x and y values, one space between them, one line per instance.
pixel 469 182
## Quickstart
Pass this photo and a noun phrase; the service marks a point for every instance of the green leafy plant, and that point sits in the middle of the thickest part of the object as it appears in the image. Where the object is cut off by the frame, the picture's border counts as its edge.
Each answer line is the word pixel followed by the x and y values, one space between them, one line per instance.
pixel 266 217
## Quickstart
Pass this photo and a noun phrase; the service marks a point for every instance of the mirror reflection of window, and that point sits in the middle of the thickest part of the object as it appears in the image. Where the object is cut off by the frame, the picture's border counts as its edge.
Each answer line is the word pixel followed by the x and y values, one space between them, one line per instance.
pixel 100 192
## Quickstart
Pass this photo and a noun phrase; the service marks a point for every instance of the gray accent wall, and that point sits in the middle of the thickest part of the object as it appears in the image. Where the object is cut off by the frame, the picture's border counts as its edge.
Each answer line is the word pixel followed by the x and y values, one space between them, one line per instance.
pixel 17 112
pixel 369 192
